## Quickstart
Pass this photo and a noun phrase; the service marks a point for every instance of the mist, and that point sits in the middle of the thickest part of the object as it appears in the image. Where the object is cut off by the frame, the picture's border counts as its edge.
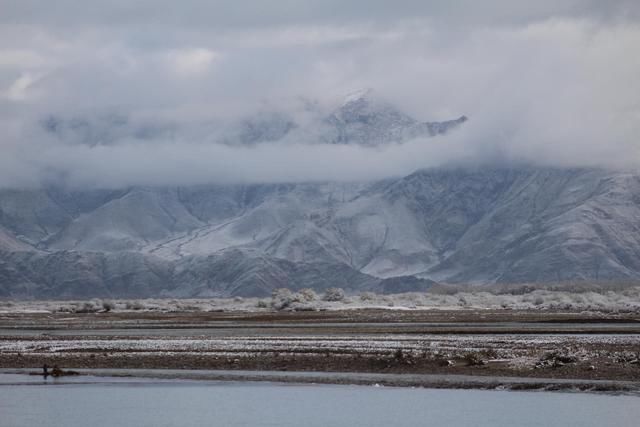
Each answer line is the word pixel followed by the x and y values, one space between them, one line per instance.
pixel 553 84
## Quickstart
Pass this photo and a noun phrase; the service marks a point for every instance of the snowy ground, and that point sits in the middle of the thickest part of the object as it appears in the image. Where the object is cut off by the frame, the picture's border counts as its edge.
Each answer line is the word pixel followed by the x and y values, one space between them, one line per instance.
pixel 499 342
pixel 549 333
pixel 516 351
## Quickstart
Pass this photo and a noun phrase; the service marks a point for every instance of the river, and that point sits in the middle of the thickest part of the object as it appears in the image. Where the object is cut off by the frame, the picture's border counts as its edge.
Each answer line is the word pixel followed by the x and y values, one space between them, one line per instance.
pixel 118 402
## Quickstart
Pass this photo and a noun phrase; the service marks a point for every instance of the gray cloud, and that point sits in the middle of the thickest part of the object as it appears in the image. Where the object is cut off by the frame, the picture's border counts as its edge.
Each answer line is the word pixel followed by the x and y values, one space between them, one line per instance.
pixel 214 14
pixel 550 82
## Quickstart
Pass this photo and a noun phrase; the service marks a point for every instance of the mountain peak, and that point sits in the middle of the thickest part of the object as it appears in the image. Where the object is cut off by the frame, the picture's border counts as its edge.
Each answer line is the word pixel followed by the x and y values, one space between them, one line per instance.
pixel 365 118
pixel 358 95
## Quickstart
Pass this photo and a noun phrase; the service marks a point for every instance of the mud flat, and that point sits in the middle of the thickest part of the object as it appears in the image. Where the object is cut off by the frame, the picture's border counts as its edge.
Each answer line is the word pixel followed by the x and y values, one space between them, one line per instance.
pixel 433 348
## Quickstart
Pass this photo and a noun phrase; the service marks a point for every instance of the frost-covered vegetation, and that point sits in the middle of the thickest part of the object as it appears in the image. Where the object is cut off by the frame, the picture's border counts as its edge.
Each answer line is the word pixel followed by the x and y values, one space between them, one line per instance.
pixel 622 299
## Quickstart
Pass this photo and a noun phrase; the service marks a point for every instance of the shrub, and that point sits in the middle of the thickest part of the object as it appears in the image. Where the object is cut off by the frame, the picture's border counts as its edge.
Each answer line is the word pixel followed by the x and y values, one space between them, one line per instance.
pixel 473 359
pixel 367 296
pixel 87 307
pixel 108 305
pixel 334 294
pixel 281 298
pixel 398 354
pixel 307 295
pixel 134 305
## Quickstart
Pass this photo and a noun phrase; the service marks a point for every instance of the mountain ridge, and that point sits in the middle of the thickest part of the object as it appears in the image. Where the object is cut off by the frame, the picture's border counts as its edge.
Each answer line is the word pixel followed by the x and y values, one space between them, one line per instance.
pixel 457 225
pixel 363 118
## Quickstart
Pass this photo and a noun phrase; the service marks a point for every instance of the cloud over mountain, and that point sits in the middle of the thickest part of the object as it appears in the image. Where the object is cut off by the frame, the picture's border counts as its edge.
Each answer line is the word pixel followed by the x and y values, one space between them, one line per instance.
pixel 552 83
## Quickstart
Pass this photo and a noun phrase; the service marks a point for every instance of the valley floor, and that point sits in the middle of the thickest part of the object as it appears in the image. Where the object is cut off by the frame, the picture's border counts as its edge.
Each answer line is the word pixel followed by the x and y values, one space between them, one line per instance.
pixel 545 345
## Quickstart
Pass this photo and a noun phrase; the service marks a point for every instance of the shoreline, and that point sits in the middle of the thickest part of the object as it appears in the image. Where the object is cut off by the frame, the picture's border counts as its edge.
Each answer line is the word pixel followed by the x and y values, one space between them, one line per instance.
pixel 474 349
pixel 431 381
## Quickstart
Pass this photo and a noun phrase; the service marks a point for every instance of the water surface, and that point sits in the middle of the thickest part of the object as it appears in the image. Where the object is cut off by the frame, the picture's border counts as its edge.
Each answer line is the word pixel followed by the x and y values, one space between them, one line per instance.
pixel 82 401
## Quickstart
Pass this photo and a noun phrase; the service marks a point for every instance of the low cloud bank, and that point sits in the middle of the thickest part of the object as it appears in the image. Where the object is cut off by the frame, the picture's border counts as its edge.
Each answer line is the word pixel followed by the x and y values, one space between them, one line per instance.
pixel 186 163
pixel 558 90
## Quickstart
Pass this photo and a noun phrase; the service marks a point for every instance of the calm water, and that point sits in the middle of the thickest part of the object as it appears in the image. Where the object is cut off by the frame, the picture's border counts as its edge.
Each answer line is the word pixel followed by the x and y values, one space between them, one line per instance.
pixel 98 402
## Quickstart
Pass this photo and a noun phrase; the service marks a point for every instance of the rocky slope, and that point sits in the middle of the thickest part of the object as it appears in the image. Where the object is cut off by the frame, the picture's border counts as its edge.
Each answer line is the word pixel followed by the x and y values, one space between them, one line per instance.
pixel 451 225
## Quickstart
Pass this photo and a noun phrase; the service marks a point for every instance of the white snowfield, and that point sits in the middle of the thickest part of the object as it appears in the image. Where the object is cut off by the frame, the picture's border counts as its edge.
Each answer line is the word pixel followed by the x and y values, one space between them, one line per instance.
pixel 316 344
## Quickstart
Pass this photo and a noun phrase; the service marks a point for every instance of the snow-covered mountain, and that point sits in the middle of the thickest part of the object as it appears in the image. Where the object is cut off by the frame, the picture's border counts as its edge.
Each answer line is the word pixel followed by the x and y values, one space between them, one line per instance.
pixel 461 225
pixel 365 119
pixel 452 225
pixel 361 118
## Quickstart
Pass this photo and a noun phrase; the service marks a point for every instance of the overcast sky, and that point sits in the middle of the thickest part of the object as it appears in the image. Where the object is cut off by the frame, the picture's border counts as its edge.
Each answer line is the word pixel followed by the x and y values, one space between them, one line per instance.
pixel 544 82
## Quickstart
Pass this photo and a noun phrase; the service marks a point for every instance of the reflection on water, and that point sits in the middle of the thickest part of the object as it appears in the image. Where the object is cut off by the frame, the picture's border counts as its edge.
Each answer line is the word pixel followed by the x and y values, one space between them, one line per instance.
pixel 88 401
